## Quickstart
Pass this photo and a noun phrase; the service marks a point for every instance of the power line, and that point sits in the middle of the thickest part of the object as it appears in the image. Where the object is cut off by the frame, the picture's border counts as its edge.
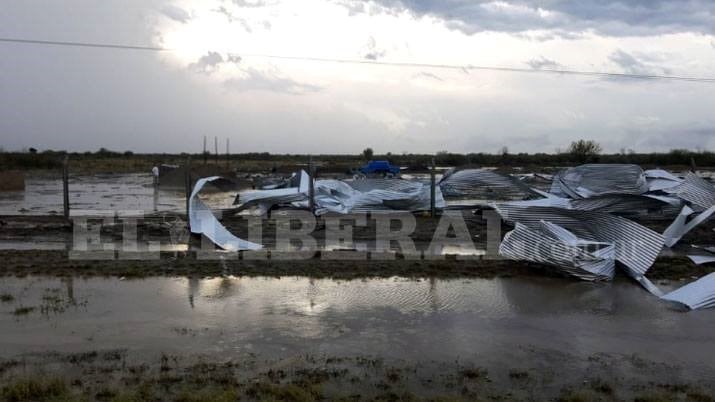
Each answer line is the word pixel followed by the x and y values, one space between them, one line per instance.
pixel 82 44
pixel 467 67
pixel 489 68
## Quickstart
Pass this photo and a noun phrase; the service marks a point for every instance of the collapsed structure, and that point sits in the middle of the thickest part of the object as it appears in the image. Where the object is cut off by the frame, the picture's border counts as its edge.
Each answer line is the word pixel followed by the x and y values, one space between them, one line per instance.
pixel 581 226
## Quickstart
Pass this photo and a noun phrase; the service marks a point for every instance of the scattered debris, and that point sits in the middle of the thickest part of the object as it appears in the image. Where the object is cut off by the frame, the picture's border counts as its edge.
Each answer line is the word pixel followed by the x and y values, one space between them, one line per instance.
pixel 345 196
pixel 552 244
pixel 485 184
pixel 636 246
pixel 202 221
pixel 598 179
pixel 579 226
pixel 695 295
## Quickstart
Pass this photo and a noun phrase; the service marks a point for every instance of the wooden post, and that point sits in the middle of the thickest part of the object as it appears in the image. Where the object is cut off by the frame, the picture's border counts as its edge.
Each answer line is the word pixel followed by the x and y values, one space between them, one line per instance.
pixel 432 190
pixel 187 185
pixel 311 187
pixel 66 187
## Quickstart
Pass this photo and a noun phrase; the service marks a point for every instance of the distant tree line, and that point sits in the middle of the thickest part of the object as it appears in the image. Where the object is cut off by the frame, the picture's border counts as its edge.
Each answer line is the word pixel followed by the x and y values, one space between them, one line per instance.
pixel 582 151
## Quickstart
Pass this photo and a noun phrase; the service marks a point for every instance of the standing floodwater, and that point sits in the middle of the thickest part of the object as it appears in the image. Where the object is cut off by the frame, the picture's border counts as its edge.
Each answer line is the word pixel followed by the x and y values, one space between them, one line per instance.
pixel 503 325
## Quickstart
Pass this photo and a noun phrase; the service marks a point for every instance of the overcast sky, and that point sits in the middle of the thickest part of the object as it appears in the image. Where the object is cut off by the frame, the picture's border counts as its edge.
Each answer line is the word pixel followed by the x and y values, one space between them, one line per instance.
pixel 215 83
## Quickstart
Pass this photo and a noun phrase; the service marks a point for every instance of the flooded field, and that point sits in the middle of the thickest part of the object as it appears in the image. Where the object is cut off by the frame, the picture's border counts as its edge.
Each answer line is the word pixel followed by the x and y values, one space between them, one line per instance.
pixel 190 324
pixel 43 195
pixel 536 326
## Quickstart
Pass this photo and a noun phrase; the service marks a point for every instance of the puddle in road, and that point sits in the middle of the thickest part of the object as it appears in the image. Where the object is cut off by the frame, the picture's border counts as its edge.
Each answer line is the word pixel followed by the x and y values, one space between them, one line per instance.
pixel 484 320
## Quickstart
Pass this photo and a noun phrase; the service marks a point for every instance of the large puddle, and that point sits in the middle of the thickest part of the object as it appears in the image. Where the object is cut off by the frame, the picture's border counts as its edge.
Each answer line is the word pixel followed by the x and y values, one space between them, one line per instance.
pixel 489 321
pixel 112 192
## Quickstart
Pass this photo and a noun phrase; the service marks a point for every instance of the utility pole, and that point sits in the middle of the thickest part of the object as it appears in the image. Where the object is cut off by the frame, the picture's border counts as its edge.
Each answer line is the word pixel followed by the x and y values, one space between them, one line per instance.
pixel 227 153
pixel 216 148
pixel 204 154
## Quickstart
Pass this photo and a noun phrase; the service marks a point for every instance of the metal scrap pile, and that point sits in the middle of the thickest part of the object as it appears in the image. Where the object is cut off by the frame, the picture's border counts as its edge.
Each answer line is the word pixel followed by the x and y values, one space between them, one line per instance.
pixel 580 226
pixel 577 228
pixel 344 197
pixel 484 184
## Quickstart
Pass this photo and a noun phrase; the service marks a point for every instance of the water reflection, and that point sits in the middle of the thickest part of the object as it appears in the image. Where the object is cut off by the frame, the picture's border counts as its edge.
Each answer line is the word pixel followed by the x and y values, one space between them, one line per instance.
pixel 397 317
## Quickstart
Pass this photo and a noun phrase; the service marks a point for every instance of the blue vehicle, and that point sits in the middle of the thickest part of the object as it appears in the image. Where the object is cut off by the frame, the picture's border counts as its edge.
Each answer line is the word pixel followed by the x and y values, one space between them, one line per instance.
pixel 379 167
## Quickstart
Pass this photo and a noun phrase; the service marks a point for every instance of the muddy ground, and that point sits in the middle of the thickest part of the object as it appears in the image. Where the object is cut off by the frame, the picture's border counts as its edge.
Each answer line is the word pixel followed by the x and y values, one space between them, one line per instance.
pixel 110 375
pixel 672 264
pixel 126 375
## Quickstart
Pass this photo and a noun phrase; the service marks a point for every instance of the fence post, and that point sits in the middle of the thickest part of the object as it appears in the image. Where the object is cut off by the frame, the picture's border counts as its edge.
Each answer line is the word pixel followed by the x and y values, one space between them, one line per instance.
pixel 66 187
pixel 432 194
pixel 311 186
pixel 187 186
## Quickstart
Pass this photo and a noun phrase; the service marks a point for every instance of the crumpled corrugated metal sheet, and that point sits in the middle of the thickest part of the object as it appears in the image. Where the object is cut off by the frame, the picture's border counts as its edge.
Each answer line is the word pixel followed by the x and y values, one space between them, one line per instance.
pixel 373 195
pixel 695 295
pixel 629 204
pixel 659 179
pixel 694 190
pixel 637 247
pixel 681 225
pixel 203 221
pixel 598 179
pixel 484 184
pixel 351 196
pixel 554 245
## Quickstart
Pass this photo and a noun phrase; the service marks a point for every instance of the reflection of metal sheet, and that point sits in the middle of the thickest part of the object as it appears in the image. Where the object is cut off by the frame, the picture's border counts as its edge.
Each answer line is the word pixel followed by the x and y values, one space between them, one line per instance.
pixel 202 221
pixel 636 246
pixel 554 245
pixel 484 184
pixel 597 179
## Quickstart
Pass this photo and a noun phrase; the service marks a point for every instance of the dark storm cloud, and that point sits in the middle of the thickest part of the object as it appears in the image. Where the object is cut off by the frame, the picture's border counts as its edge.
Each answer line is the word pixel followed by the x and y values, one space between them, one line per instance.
pixel 268 82
pixel 610 17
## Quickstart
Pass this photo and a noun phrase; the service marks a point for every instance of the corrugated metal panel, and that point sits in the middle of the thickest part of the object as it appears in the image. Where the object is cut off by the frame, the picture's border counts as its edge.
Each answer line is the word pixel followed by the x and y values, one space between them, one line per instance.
pixel 369 195
pixel 556 246
pixel 484 184
pixel 636 246
pixel 203 221
pixel 695 295
pixel 695 190
pixel 598 179
pixel 628 204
